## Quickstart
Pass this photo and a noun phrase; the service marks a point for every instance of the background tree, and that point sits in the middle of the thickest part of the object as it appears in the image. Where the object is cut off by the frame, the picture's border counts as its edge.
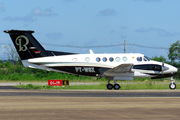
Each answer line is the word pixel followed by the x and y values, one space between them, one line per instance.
pixel 11 52
pixel 160 59
pixel 174 51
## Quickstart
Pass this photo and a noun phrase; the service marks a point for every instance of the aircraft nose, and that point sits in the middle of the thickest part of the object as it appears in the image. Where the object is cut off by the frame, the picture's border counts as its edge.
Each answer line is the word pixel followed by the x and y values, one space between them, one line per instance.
pixel 174 69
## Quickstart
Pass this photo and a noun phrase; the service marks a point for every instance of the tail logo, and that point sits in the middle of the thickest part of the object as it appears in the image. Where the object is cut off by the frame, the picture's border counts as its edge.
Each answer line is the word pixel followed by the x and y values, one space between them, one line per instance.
pixel 22 41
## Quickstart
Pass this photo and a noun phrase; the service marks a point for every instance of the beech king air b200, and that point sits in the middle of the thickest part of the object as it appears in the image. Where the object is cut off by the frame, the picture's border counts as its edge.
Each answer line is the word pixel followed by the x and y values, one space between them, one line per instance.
pixel 111 66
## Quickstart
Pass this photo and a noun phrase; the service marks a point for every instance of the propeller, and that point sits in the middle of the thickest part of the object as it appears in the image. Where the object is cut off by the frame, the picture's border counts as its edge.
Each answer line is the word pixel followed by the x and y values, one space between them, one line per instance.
pixel 162 64
pixel 162 69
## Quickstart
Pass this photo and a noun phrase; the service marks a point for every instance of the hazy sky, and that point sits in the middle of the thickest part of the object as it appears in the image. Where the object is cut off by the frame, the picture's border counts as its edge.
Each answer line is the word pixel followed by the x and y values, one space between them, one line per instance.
pixel 94 22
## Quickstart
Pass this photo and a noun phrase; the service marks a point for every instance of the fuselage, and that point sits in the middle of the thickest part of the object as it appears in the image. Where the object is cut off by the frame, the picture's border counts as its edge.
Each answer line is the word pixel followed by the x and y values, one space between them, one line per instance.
pixel 111 66
pixel 98 64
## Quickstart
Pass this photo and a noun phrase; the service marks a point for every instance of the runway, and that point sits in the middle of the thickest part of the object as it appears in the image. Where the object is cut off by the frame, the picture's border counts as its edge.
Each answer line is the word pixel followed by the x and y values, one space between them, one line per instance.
pixel 87 93
pixel 18 104
pixel 12 91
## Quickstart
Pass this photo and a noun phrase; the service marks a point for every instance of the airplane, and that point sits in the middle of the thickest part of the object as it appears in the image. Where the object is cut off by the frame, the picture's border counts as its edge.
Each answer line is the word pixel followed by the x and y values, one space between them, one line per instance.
pixel 123 66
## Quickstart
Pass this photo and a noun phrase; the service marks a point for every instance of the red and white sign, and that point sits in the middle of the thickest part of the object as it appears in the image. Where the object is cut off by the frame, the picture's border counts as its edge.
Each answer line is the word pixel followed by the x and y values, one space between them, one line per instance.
pixel 55 82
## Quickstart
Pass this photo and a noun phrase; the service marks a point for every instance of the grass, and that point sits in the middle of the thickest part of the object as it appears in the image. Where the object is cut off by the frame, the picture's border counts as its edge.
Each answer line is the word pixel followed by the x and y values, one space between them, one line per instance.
pixel 102 86
pixel 27 78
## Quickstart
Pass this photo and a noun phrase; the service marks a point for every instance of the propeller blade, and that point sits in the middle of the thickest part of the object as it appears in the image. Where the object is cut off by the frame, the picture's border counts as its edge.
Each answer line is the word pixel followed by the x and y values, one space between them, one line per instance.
pixel 162 69
pixel 162 64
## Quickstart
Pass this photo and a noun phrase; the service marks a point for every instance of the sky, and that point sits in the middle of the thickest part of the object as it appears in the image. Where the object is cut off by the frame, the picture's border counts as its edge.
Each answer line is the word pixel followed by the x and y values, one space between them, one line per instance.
pixel 152 23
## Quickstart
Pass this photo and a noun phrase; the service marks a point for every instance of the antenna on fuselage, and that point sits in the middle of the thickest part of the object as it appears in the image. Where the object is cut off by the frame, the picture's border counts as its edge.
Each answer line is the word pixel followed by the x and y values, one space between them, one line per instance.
pixel 124 46
pixel 91 52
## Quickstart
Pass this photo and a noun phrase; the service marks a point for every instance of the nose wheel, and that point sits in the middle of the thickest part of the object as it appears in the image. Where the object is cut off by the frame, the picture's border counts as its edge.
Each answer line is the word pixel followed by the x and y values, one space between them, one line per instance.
pixel 172 85
pixel 115 86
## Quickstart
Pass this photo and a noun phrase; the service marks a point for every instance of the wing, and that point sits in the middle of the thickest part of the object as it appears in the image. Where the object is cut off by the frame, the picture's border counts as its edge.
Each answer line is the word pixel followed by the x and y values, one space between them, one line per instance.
pixel 123 68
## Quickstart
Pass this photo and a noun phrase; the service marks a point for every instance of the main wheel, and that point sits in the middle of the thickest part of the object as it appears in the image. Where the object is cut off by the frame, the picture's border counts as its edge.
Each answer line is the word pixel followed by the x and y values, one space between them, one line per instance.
pixel 172 86
pixel 109 86
pixel 117 86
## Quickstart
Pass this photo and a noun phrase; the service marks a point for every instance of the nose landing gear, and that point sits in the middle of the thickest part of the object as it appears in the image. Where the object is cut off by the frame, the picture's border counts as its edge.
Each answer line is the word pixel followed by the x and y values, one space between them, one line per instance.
pixel 115 86
pixel 172 85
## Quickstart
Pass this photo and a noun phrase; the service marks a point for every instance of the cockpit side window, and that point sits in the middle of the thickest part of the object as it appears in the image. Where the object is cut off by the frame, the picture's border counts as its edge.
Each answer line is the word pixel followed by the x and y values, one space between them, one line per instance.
pixel 139 59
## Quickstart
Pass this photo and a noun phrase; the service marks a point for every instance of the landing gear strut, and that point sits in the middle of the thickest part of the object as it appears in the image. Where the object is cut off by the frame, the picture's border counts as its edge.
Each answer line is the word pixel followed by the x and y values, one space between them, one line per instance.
pixel 115 86
pixel 172 85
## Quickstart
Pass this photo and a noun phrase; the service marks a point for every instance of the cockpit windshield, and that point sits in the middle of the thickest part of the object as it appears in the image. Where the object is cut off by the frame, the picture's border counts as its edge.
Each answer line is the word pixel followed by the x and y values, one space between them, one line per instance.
pixel 147 58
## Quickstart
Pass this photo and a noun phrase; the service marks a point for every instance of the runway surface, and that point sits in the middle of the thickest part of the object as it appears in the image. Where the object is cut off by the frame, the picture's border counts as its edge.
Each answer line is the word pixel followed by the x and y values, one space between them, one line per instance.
pixel 18 104
pixel 12 91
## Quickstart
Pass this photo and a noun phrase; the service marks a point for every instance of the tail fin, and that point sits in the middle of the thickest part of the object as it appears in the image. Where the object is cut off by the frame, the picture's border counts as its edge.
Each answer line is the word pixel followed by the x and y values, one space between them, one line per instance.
pixel 26 45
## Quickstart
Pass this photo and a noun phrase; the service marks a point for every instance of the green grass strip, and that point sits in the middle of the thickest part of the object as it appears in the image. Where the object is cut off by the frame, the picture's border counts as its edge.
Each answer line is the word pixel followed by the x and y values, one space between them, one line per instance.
pixel 102 86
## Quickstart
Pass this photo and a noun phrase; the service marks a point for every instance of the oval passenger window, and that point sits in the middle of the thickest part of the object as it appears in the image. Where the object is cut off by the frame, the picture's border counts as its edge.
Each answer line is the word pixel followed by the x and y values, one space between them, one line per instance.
pixel 111 59
pixel 98 59
pixel 117 59
pixel 124 59
pixel 87 59
pixel 104 59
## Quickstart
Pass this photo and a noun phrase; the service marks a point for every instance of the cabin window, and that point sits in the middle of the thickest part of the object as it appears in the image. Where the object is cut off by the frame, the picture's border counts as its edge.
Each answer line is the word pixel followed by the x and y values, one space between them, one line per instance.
pixel 139 58
pixel 87 59
pixel 104 59
pixel 111 59
pixel 124 59
pixel 98 59
pixel 117 59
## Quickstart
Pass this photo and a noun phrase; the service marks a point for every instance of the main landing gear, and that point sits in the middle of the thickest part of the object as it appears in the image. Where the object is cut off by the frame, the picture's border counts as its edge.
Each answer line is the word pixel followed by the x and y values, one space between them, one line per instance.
pixel 172 85
pixel 115 86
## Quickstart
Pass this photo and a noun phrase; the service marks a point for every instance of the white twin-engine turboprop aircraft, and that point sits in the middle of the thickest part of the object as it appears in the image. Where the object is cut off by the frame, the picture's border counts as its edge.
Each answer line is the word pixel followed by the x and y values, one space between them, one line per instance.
pixel 111 66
